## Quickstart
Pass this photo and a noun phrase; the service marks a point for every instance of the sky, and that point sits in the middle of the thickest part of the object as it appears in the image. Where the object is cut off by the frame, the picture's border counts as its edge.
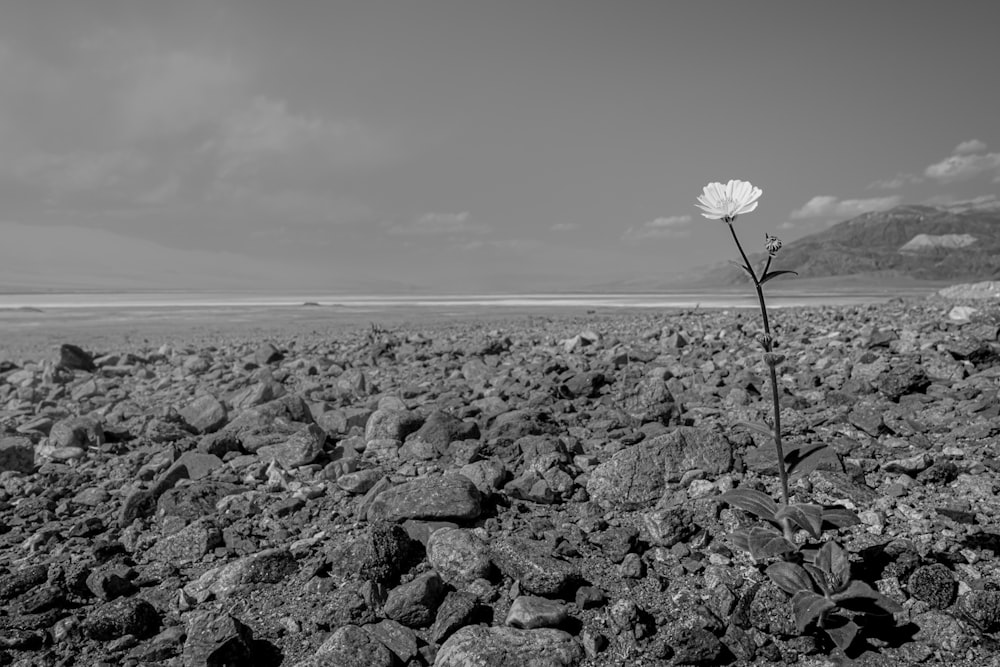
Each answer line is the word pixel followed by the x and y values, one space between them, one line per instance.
pixel 468 145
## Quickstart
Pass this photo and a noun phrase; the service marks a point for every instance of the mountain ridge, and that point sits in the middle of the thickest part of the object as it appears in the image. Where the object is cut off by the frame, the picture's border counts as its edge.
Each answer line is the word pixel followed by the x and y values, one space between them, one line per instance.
pixel 876 245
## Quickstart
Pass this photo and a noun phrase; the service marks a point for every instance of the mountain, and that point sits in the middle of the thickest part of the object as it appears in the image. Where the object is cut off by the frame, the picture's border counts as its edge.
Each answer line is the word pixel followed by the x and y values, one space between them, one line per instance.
pixel 918 243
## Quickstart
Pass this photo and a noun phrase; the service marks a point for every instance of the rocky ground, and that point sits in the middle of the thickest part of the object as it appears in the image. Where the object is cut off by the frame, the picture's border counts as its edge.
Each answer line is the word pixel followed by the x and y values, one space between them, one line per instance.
pixel 532 491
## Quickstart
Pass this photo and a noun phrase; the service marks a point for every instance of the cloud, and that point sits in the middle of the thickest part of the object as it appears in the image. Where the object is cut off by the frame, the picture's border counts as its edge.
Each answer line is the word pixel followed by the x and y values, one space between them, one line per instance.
pixel 968 160
pixel 963 167
pixel 662 228
pixel 74 173
pixel 166 94
pixel 440 223
pixel 894 183
pixel 565 227
pixel 266 135
pixel 832 207
pixel 988 202
pixel 970 146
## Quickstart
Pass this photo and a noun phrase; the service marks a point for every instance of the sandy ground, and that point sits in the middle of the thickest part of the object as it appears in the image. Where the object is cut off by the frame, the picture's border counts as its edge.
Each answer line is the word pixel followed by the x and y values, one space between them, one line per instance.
pixel 36 335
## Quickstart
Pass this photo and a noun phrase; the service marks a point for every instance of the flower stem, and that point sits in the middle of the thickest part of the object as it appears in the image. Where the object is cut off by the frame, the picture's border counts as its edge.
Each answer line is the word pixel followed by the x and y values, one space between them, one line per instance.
pixel 768 346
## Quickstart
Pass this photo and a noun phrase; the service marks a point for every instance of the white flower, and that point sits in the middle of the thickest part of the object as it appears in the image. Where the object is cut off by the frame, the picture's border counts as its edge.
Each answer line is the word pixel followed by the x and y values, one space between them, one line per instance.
pixel 725 202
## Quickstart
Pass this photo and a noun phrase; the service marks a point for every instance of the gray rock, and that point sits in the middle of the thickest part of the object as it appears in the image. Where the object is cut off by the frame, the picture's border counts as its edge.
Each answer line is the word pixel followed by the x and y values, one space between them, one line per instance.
pixel 982 608
pixel 351 646
pixel 75 358
pixel 509 647
pixel 189 544
pixel 391 424
pixel 111 580
pixel 649 399
pixel 631 479
pixel 459 555
pixel 216 639
pixel 529 612
pixel 122 616
pixel 265 567
pixel 267 353
pixel 83 432
pixel 17 454
pixel 529 562
pixel 445 497
pixel 459 609
pixel 300 449
pixel 415 603
pixel 934 584
pixel 398 638
pixel 380 554
pixel 205 414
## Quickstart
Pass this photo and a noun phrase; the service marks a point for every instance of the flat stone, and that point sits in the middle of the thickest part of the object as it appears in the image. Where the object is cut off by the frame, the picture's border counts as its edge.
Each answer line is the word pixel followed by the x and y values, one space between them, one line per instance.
pixel 529 562
pixel 509 647
pixel 529 612
pixel 445 497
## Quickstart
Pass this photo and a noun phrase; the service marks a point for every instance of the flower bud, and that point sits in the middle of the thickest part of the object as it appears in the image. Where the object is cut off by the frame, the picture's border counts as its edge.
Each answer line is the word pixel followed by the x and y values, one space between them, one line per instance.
pixel 772 359
pixel 765 340
pixel 772 244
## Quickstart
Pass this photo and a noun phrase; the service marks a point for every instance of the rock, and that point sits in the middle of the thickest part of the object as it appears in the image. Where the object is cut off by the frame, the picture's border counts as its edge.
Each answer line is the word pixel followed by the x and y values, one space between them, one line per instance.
pixel 122 616
pixel 205 414
pixel 458 610
pixel 398 638
pixel 75 359
pixel 82 432
pixel 110 581
pixel 386 424
pixel 269 567
pixel 982 608
pixel 266 354
pixel 934 584
pixel 351 646
pixel 302 448
pixel 509 647
pixel 17 454
pixel 445 497
pixel 530 612
pixel 189 544
pixel 459 555
pixel 649 399
pixel 216 639
pixel 380 554
pixel 529 563
pixel 414 604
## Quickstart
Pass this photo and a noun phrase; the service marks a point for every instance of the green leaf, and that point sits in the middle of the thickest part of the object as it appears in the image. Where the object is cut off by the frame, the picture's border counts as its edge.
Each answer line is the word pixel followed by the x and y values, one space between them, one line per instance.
pixel 835 562
pixel 789 577
pixel 758 427
pixel 808 607
pixel 740 539
pixel 766 544
pixel 821 578
pixel 775 274
pixel 843 635
pixel 839 516
pixel 809 517
pixel 804 460
pixel 755 502
pixel 861 590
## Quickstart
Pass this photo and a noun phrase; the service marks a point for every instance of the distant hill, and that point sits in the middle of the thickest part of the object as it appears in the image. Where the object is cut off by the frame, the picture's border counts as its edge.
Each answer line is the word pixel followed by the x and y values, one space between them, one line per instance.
pixel 905 243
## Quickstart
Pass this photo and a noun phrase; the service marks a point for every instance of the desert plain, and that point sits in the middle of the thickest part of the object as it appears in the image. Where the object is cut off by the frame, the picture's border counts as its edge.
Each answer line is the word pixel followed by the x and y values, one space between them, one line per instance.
pixel 305 485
